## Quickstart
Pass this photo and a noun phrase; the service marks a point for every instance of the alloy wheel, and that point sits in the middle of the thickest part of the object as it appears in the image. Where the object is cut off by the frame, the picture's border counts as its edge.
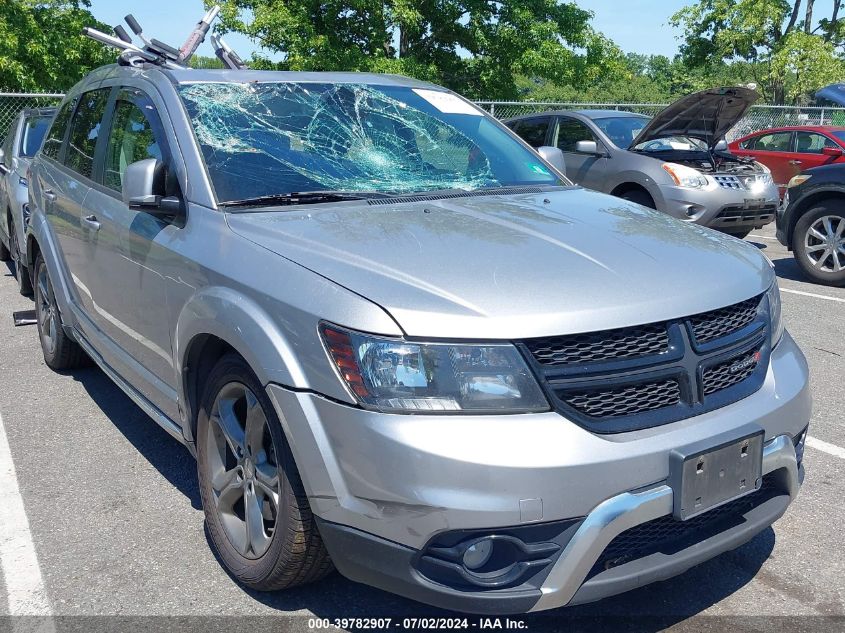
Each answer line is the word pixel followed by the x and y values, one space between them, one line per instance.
pixel 48 314
pixel 243 470
pixel 824 244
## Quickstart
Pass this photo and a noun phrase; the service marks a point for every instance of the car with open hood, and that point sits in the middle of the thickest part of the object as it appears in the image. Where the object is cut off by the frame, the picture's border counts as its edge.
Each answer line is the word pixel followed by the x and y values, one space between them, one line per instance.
pixel 402 344
pixel 675 162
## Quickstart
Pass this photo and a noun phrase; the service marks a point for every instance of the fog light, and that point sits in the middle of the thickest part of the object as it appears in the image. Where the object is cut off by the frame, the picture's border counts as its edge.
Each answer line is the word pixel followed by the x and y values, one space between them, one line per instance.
pixel 477 554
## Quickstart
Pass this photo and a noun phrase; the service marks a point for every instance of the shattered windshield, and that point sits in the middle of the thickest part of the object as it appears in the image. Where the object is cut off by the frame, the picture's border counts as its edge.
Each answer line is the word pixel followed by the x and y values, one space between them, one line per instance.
pixel 271 139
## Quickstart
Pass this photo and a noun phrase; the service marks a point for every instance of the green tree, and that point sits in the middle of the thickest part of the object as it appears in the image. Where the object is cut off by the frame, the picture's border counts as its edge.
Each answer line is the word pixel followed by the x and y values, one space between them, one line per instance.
pixel 788 53
pixel 41 45
pixel 476 47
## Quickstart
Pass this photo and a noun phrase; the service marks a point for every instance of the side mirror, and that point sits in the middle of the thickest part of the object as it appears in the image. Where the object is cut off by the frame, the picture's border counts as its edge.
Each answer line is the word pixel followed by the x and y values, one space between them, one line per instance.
pixel 553 156
pixel 832 151
pixel 144 188
pixel 3 168
pixel 587 147
pixel 721 146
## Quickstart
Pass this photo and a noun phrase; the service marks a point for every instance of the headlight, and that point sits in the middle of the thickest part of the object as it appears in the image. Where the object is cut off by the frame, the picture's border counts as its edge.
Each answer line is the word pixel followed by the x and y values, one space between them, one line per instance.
pixel 685 176
pixel 798 180
pixel 395 375
pixel 775 314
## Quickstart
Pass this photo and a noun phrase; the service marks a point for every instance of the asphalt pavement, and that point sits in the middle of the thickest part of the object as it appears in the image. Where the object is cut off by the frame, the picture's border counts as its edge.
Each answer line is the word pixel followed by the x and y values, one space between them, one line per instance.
pixel 110 532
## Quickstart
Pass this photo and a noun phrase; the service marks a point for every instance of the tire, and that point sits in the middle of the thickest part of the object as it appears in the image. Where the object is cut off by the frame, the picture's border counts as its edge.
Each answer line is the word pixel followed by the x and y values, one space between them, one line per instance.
pixel 60 351
pixel 818 243
pixel 21 271
pixel 238 469
pixel 639 196
pixel 5 255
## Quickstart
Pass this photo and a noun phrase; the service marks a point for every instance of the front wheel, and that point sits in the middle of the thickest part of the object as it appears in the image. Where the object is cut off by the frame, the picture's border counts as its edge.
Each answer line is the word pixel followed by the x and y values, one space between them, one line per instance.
pixel 256 510
pixel 818 242
pixel 640 197
pixel 60 351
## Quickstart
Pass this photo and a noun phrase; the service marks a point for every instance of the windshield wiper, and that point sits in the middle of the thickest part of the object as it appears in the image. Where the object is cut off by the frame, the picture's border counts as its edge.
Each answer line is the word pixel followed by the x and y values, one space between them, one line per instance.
pixel 303 197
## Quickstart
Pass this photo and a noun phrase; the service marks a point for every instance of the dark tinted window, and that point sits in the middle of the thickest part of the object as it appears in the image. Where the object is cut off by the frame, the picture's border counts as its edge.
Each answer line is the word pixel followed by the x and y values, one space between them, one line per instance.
pixel 131 139
pixel 85 130
pixel 777 142
pixel 53 144
pixel 532 131
pixel 570 131
pixel 34 130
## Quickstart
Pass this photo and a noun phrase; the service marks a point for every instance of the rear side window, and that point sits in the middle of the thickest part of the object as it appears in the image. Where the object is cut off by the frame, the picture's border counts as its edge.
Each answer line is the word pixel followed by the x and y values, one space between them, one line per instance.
pixel 34 130
pixel 533 131
pixel 56 136
pixel 132 138
pixel 85 130
pixel 777 142
pixel 570 131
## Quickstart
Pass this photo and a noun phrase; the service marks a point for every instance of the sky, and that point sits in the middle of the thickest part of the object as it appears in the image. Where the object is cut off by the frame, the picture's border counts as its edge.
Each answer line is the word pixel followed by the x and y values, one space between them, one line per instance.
pixel 637 26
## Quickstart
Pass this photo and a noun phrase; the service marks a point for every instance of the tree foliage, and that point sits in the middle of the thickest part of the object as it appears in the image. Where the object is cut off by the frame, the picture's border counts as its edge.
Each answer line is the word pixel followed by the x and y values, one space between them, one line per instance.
pixel 41 45
pixel 474 46
pixel 791 54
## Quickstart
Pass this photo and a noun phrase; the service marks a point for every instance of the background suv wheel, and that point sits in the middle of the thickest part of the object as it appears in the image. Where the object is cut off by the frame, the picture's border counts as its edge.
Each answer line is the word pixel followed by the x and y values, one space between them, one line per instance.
pixel 21 271
pixel 256 510
pixel 818 242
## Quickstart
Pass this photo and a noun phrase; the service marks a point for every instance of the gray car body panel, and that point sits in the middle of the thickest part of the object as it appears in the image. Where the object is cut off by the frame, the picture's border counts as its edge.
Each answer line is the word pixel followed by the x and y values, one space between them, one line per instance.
pixel 485 267
pixel 616 169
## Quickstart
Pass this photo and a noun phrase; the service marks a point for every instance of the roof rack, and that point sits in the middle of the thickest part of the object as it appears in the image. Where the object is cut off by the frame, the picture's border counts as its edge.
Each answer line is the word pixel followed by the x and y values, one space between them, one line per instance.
pixel 158 53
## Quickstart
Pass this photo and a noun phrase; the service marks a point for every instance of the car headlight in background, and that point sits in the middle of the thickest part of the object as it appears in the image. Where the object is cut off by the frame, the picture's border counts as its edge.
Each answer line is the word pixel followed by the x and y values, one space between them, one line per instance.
pixel 775 313
pixel 394 375
pixel 23 182
pixel 685 176
pixel 798 180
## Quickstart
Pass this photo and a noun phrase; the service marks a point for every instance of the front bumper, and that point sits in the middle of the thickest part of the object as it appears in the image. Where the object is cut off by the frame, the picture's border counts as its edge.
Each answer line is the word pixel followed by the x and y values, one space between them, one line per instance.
pixel 383 486
pixel 718 208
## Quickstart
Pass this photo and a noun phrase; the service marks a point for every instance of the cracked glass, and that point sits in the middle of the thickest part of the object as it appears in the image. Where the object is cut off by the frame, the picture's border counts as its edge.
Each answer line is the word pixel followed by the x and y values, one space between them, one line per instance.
pixel 278 138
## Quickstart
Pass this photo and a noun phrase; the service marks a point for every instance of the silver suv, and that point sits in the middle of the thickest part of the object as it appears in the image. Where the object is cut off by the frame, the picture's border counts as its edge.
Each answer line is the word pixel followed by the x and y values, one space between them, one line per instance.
pixel 401 344
pixel 676 162
pixel 23 140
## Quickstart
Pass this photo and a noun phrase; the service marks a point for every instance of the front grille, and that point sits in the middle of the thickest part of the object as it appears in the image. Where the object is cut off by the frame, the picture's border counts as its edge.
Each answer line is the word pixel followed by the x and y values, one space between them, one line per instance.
pixel 642 376
pixel 718 323
pixel 738 214
pixel 669 535
pixel 730 372
pixel 634 342
pixel 633 399
pixel 728 182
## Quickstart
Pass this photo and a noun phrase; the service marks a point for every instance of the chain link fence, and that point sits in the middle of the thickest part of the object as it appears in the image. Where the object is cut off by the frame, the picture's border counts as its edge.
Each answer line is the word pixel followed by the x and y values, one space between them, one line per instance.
pixel 758 117
pixel 11 104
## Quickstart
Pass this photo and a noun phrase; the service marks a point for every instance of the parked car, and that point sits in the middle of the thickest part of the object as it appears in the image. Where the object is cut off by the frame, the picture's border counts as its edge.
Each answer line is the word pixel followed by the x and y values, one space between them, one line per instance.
pixel 787 151
pixel 23 139
pixel 674 162
pixel 253 256
pixel 811 223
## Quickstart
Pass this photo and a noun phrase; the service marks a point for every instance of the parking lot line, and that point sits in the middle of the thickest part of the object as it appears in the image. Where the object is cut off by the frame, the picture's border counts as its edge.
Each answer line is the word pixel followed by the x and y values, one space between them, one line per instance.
pixel 764 237
pixel 825 447
pixel 812 294
pixel 18 561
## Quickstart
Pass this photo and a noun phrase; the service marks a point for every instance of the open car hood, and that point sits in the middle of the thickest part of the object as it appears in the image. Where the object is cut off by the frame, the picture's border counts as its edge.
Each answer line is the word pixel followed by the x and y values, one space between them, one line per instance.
pixel 705 115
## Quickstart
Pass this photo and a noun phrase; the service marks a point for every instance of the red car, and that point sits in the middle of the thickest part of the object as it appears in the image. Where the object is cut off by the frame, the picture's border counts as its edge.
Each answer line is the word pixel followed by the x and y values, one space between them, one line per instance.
pixel 788 151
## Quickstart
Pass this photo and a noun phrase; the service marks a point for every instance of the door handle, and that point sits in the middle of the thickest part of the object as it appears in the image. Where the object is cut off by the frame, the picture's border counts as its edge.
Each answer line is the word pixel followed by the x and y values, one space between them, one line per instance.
pixel 50 195
pixel 794 162
pixel 91 222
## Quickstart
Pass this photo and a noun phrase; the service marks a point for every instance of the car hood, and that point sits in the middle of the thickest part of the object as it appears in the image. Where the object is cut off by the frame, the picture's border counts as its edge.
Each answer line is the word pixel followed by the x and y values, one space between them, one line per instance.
pixel 518 266
pixel 707 115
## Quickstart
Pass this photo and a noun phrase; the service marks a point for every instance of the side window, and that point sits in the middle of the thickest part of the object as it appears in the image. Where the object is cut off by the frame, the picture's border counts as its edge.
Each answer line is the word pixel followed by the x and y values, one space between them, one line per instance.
pixel 532 131
pixel 56 135
pixel 812 143
pixel 85 130
pixel 777 142
pixel 132 138
pixel 570 131
pixel 748 143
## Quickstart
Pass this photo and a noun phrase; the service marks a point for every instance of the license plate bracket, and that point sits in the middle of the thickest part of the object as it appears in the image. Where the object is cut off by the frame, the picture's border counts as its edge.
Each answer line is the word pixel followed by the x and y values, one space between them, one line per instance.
pixel 754 203
pixel 708 474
